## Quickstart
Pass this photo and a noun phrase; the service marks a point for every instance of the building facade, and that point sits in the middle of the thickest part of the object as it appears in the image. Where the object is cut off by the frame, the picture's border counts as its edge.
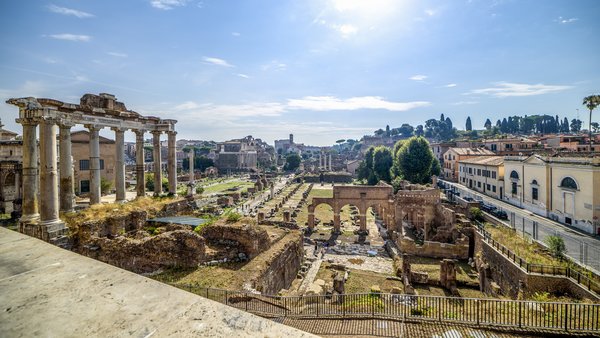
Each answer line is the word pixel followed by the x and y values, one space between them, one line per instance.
pixel 11 155
pixel 484 174
pixel 565 189
pixel 237 155
pixel 80 148
pixel 453 155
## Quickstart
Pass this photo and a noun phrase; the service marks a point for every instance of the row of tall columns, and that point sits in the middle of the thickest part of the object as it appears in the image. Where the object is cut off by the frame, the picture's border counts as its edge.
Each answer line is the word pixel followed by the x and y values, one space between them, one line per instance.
pixel 44 204
pixel 323 164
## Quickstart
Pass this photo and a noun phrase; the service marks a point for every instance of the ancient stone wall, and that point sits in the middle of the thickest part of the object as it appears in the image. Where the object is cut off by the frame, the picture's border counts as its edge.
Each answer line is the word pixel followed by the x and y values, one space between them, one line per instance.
pixel 277 267
pixel 253 240
pixel 506 274
pixel 459 250
pixel 179 248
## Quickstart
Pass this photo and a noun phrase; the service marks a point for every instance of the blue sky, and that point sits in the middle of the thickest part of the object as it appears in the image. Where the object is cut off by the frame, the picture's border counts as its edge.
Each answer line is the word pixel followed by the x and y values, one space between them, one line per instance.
pixel 321 69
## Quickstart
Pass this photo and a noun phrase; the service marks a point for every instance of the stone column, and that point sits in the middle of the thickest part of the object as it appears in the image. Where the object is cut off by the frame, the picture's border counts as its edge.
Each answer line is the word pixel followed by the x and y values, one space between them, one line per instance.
pixel 49 177
pixel 157 163
pixel 329 162
pixel 67 181
pixel 311 220
pixel 120 164
pixel 30 171
pixel 362 218
pixel 94 163
pixel 172 163
pixel 320 160
pixel 139 163
pixel 336 222
pixel 17 184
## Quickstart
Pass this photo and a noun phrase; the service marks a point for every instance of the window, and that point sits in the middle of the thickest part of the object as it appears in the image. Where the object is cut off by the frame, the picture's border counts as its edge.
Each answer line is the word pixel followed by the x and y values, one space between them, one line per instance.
pixel 493 174
pixel 494 147
pixel 478 184
pixel 514 174
pixel 568 183
pixel 85 164
pixel 470 170
pixel 514 188
pixel 488 187
pixel 84 186
pixel 493 188
pixel 478 172
pixel 534 193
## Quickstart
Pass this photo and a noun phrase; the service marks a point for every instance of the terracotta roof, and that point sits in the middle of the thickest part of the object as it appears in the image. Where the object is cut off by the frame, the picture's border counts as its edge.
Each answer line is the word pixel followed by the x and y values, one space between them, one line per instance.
pixel 472 151
pixel 484 160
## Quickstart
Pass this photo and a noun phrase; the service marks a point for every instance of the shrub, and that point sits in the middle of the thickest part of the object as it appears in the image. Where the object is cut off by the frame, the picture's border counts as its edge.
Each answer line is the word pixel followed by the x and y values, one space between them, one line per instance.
pixel 105 186
pixel 199 190
pixel 541 296
pixel 476 214
pixel 556 245
pixel 233 217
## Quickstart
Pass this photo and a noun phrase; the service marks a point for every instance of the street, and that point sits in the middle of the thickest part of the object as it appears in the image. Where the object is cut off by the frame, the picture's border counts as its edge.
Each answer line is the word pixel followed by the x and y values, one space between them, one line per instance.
pixel 581 247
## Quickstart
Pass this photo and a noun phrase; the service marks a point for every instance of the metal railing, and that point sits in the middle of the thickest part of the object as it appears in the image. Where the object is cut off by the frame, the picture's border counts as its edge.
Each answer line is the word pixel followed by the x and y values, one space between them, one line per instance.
pixel 554 270
pixel 573 317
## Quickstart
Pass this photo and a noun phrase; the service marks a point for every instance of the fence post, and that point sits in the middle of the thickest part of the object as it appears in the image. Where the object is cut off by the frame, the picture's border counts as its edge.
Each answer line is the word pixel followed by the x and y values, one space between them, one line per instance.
pixel 566 314
pixel 439 309
pixel 207 293
pixel 226 297
pixel 520 303
pixel 477 303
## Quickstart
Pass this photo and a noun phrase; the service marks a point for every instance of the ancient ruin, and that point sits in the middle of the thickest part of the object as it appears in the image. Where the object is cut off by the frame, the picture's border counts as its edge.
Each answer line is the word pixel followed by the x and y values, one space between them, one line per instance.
pixel 40 217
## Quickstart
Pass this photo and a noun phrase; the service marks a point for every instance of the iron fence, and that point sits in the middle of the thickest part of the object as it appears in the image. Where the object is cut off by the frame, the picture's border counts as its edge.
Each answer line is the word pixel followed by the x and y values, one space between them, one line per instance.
pixel 572 317
pixel 585 279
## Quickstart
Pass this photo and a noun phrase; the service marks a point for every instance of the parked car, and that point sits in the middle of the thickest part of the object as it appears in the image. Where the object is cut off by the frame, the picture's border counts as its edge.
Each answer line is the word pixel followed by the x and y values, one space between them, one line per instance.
pixel 468 199
pixel 500 214
pixel 487 207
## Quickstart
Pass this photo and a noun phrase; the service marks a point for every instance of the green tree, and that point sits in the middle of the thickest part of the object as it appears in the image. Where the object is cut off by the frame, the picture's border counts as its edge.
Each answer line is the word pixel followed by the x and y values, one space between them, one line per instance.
pixel 591 102
pixel 575 125
pixel 488 124
pixel 419 130
pixel 382 163
pixel 292 162
pixel 436 168
pixel 406 130
pixel 414 160
pixel 556 245
pixel 365 168
pixel 468 125
pixel 105 186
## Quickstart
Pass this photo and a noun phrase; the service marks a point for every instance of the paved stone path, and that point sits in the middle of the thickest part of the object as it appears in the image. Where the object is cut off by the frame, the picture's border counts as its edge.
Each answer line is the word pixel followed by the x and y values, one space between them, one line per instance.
pixel 312 271
pixel 375 264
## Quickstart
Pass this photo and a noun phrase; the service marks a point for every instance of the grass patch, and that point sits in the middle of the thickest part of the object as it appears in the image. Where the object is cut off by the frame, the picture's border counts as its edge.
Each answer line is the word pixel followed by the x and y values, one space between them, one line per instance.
pixel 239 185
pixel 528 250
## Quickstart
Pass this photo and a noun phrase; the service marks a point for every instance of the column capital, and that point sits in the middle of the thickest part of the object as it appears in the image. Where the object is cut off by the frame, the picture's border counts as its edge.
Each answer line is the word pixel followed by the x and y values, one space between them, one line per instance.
pixel 62 124
pixel 171 132
pixel 139 132
pixel 119 129
pixel 93 127
pixel 156 132
pixel 28 121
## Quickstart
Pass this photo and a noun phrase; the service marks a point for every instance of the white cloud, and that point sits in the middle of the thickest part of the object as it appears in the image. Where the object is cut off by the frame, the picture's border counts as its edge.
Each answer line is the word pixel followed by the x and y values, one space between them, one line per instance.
pixel 217 62
pixel 71 37
pixel 274 65
pixel 564 20
pixel 506 89
pixel 117 54
pixel 324 103
pixel 418 77
pixel 167 4
pixel 236 34
pixel 451 85
pixel 243 75
pixel 69 11
pixel 430 12
pixel 228 112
